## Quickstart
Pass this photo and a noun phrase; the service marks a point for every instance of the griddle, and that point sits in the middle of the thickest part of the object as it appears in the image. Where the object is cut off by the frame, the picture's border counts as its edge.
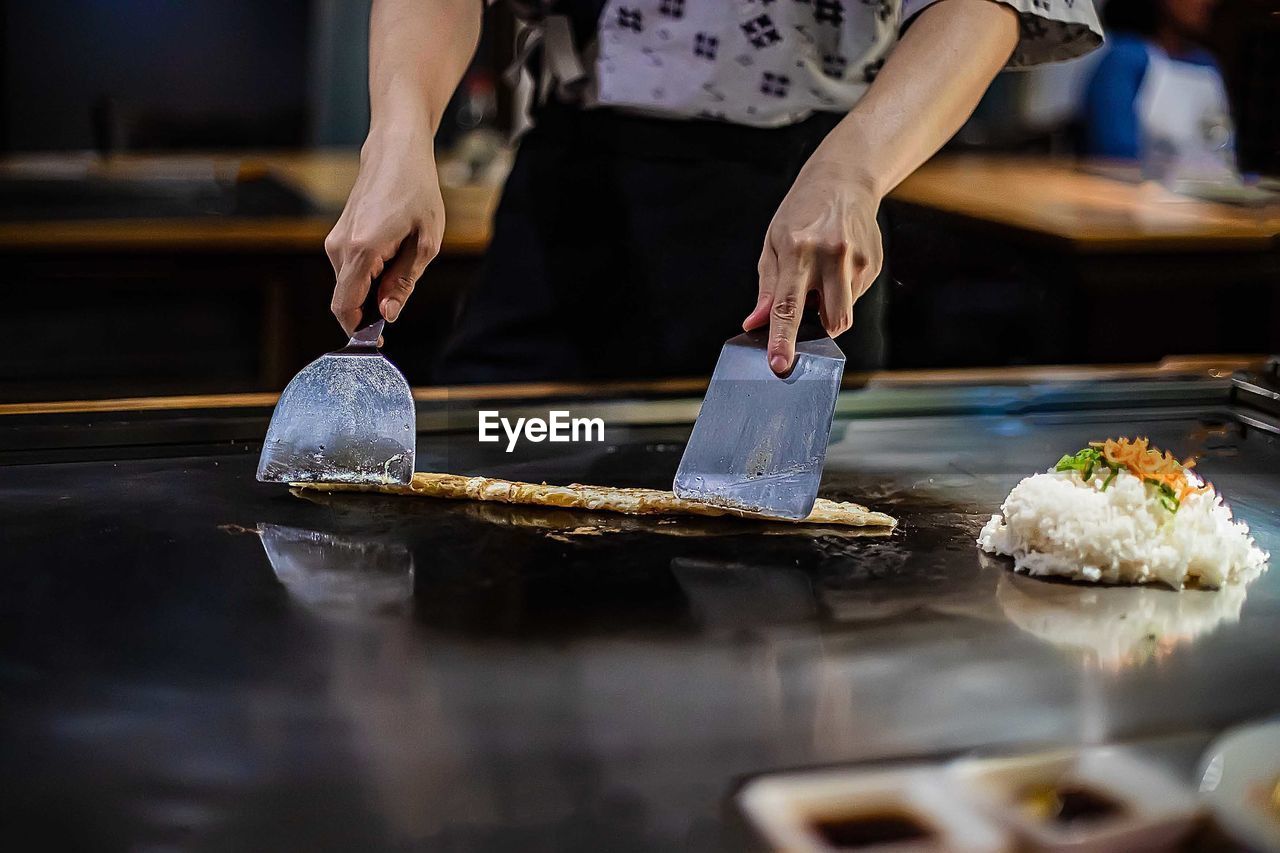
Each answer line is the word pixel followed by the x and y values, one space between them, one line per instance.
pixel 425 674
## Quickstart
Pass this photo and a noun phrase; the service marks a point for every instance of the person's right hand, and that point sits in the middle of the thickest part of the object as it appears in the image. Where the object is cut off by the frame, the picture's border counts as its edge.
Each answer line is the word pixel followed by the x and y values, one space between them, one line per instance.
pixel 391 226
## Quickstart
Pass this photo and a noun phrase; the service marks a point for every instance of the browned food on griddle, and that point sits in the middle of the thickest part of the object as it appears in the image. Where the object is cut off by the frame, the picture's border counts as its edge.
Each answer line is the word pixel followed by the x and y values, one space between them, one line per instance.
pixel 598 498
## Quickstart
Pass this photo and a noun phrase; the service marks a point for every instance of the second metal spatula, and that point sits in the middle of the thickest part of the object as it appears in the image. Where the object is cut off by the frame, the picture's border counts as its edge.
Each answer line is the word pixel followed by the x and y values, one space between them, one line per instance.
pixel 760 440
pixel 347 417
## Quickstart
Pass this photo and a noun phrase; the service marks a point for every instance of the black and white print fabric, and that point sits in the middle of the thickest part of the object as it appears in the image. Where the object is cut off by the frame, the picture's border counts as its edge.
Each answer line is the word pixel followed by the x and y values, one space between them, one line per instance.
pixel 1051 30
pixel 765 63
pixel 769 63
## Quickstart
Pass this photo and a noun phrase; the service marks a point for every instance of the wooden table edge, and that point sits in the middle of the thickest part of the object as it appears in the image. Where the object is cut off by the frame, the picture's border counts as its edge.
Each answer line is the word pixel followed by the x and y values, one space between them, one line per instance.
pixel 1185 243
pixel 258 234
pixel 1208 366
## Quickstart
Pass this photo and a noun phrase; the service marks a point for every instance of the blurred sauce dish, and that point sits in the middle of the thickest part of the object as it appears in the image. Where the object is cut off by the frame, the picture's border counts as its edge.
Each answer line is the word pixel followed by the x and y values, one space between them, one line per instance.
pixel 1095 799
pixel 906 810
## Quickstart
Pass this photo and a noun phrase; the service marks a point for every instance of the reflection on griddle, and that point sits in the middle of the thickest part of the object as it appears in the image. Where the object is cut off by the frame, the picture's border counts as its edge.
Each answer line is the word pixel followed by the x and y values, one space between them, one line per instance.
pixel 489 569
pixel 734 597
pixel 1118 627
pixel 900 576
pixel 375 677
pixel 339 576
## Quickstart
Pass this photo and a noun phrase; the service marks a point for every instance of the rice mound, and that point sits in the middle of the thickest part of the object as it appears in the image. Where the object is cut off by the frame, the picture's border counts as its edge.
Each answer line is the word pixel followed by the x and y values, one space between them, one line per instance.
pixel 1061 525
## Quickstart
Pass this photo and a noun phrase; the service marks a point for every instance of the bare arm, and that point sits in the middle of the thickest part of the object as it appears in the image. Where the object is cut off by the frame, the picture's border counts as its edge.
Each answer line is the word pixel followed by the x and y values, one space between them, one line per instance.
pixel 929 86
pixel 824 236
pixel 394 217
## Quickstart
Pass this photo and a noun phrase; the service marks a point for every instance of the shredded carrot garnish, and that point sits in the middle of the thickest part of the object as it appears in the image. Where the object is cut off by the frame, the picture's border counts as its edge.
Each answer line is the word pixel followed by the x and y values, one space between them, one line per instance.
pixel 1141 460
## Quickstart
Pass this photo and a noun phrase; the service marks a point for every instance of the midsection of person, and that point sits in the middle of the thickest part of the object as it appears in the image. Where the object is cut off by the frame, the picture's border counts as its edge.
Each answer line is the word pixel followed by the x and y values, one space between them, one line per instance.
pixel 626 246
pixel 687 159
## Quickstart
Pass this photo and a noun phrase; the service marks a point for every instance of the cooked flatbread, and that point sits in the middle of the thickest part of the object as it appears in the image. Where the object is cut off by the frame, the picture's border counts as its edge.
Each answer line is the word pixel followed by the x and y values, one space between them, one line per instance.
pixel 598 499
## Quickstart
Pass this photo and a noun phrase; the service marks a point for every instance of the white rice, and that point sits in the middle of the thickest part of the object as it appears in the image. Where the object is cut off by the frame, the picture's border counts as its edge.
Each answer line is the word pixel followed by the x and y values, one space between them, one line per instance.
pixel 1058 524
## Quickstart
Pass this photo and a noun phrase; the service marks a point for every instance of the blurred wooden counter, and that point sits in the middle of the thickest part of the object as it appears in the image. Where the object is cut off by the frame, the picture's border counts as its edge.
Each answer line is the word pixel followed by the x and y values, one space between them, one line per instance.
pixel 160 304
pixel 323 177
pixel 994 261
pixel 997 260
pixel 1059 201
pixel 1090 207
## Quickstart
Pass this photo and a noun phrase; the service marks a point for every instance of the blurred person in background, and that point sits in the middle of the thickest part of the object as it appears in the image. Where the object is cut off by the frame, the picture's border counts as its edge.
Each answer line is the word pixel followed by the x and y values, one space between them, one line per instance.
pixel 686 160
pixel 1156 85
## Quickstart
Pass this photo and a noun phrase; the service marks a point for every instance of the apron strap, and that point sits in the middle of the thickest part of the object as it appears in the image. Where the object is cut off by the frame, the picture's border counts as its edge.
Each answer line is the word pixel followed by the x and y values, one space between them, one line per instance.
pixel 561 64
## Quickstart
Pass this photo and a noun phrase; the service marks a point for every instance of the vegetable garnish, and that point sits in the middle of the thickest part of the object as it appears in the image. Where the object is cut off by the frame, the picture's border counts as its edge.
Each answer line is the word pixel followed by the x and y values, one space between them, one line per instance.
pixel 1085 462
pixel 1170 477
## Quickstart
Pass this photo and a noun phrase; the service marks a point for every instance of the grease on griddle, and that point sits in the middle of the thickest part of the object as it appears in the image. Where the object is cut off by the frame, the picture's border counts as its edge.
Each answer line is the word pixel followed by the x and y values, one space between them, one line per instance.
pixel 1068 803
pixel 237 529
pixel 872 829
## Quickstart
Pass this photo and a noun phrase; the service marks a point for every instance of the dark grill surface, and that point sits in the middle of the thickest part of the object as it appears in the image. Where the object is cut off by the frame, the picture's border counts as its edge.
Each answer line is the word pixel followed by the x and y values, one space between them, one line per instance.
pixel 189 658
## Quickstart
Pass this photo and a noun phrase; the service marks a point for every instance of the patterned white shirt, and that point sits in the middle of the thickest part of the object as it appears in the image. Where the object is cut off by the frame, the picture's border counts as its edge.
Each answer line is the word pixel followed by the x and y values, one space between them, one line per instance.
pixel 764 63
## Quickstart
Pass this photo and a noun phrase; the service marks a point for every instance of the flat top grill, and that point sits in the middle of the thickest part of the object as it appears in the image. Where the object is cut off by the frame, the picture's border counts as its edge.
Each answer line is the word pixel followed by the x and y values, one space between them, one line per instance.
pixel 190 657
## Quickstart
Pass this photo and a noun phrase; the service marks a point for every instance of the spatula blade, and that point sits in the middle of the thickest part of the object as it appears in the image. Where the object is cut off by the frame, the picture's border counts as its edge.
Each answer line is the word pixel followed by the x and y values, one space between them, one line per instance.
pixel 760 440
pixel 348 417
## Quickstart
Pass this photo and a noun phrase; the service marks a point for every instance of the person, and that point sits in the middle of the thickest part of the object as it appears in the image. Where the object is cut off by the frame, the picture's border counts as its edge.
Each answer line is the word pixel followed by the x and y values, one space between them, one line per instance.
pixel 687 161
pixel 1155 83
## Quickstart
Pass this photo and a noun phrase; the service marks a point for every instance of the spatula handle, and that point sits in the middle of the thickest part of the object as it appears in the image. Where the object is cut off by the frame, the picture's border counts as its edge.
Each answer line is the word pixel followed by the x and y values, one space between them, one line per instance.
pixel 371 319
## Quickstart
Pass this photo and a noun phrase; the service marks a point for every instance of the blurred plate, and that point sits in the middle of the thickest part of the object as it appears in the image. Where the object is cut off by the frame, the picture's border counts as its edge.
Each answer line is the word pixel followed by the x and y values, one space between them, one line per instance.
pixel 1240 784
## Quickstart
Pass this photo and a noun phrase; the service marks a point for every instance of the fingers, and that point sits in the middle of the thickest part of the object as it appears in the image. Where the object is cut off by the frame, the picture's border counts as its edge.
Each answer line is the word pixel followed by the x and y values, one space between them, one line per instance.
pixel 788 274
pixel 836 305
pixel 866 268
pixel 402 273
pixel 334 242
pixel 356 264
pixel 359 264
pixel 795 274
pixel 768 270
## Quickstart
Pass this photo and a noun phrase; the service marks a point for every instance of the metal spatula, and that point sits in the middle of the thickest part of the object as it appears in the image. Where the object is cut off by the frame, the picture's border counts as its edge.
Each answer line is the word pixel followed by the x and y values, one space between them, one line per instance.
pixel 347 417
pixel 760 440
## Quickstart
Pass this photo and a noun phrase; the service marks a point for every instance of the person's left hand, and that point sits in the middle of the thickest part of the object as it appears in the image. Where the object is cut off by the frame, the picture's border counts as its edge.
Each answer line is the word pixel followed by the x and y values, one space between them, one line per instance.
pixel 823 238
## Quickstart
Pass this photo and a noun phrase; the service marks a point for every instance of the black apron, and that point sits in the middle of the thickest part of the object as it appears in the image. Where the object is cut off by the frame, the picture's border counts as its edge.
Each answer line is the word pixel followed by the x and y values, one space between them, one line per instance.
pixel 626 247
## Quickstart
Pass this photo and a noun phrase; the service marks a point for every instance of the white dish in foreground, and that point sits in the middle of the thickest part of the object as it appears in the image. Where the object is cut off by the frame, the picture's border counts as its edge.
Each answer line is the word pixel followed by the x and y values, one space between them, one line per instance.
pixel 1153 810
pixel 1240 784
pixel 787 810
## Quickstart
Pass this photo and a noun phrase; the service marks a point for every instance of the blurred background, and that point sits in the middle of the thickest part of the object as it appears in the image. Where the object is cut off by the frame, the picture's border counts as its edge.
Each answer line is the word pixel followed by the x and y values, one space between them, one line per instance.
pixel 168 172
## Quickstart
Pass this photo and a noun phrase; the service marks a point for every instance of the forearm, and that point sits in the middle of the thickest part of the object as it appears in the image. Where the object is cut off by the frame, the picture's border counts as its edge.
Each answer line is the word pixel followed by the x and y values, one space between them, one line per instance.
pixel 418 51
pixel 929 85
pixel 393 222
